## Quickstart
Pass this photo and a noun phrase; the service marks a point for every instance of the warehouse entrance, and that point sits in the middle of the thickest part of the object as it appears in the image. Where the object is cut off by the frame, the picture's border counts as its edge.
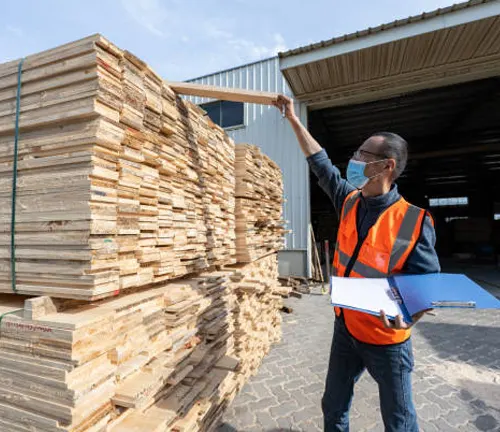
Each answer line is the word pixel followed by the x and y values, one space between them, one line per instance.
pixel 409 76
pixel 453 168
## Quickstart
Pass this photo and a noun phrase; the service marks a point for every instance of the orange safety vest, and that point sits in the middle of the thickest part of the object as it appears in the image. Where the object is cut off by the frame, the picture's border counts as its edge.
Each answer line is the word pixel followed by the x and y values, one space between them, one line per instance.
pixel 383 252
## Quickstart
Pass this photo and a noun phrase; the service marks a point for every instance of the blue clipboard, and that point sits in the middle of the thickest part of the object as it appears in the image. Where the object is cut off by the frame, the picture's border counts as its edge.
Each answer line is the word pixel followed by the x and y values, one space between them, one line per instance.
pixel 416 293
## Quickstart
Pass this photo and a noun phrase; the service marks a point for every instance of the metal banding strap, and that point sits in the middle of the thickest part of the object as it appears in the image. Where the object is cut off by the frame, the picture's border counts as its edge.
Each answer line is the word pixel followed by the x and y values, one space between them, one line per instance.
pixel 14 181
pixel 405 234
pixel 360 268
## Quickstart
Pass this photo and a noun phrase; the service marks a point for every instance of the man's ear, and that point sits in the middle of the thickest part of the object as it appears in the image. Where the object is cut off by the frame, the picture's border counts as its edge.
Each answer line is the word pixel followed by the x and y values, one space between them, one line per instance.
pixel 391 165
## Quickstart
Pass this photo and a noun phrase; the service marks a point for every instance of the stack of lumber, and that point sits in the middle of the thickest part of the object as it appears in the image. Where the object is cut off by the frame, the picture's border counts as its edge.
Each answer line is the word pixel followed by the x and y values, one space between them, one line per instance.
pixel 257 319
pixel 259 200
pixel 297 284
pixel 139 360
pixel 120 182
pixel 121 187
pixel 199 380
pixel 171 357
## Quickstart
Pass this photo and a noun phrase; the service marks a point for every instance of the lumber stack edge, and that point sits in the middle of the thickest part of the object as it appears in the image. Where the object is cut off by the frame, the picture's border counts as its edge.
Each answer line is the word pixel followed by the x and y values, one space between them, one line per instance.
pixel 146 244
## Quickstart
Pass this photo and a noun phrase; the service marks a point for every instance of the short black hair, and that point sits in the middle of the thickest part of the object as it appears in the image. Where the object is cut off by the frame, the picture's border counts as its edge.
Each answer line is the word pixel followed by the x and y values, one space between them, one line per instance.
pixel 395 147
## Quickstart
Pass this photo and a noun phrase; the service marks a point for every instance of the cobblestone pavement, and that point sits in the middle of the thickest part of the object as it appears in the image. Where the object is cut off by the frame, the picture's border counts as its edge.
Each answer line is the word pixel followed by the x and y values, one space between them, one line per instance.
pixel 456 380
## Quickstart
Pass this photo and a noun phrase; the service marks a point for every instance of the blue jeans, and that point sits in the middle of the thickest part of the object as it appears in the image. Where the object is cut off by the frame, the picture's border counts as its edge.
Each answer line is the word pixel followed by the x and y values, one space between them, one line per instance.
pixel 389 365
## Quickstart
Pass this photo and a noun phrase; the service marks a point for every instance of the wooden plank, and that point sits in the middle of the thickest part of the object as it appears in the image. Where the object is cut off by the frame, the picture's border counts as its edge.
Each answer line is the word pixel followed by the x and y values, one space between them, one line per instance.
pixel 224 93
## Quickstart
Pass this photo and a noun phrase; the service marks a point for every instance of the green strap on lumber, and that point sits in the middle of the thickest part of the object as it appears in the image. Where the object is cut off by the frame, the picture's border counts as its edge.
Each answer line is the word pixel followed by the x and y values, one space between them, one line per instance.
pixel 14 182
pixel 8 313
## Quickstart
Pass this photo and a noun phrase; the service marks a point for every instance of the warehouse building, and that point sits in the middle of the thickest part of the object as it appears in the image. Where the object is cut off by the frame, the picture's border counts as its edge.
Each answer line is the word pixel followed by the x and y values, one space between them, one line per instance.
pixel 432 78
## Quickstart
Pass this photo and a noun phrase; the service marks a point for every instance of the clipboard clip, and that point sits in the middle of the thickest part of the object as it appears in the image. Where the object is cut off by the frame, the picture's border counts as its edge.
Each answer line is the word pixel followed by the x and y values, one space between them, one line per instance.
pixel 450 303
pixel 395 294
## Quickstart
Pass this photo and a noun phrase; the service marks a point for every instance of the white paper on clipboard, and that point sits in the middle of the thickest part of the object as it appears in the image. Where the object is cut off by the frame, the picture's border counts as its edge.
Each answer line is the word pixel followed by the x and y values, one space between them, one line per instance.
pixel 365 294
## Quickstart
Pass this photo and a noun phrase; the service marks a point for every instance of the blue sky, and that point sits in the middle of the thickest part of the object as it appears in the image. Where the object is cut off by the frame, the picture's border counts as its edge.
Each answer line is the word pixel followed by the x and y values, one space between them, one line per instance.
pixel 183 39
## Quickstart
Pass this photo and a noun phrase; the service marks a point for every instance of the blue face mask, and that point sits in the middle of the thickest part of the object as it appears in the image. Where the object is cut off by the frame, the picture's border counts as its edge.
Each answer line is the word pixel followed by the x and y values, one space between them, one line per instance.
pixel 356 173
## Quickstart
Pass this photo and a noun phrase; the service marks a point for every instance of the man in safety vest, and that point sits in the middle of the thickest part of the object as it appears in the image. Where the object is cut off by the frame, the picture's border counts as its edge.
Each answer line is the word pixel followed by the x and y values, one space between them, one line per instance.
pixel 379 234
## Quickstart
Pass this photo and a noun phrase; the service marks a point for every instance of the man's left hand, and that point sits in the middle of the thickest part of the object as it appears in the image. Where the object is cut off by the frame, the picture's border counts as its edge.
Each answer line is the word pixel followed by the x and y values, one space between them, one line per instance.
pixel 399 323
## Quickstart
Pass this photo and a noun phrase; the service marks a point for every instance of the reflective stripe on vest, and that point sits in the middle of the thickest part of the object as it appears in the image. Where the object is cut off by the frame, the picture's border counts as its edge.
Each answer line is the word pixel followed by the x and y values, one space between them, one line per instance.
pixel 359 267
pixel 405 233
pixel 346 208
pixel 349 203
pixel 384 251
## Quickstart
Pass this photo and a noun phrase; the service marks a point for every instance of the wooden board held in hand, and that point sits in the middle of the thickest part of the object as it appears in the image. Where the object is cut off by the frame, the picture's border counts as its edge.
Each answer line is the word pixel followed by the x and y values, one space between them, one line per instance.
pixel 223 93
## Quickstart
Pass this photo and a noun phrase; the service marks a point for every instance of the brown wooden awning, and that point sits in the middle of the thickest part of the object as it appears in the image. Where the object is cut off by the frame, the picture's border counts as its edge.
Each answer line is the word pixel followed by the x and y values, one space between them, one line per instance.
pixel 449 46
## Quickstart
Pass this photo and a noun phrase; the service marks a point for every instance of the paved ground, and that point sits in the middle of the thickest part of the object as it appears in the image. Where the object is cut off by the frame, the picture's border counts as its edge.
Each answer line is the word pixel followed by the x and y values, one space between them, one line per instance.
pixel 456 380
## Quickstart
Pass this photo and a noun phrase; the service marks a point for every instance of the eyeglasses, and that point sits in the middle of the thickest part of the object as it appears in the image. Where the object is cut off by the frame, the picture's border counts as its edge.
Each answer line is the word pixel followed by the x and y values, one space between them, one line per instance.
pixel 362 154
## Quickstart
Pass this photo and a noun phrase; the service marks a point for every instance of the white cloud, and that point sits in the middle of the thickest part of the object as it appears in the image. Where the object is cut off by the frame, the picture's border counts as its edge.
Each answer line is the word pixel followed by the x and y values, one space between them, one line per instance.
pixel 250 50
pixel 280 44
pixel 245 49
pixel 15 30
pixel 149 13
pixel 213 31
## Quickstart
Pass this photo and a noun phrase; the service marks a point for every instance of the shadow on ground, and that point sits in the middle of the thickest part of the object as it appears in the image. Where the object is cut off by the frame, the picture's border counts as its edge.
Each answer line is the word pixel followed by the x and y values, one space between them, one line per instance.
pixel 484 402
pixel 225 427
pixel 282 430
pixel 470 344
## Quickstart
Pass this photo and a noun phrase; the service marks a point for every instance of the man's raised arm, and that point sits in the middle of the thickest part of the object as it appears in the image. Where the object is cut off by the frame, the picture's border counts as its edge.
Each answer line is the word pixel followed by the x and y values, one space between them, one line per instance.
pixel 328 175
pixel 307 143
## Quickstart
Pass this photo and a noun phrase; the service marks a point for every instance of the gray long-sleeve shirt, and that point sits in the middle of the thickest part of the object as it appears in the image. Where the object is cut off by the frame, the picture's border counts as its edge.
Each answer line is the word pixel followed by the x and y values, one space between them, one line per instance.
pixel 423 258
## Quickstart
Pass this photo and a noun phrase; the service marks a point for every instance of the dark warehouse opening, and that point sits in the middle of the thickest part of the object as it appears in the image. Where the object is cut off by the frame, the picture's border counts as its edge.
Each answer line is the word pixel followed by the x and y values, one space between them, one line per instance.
pixel 453 169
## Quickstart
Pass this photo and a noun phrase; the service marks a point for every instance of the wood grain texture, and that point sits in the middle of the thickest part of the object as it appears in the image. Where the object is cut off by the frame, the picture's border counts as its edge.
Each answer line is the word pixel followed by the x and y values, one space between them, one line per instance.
pixel 224 93
pixel 123 186
pixel 259 200
pixel 257 320
pixel 120 182
pixel 171 357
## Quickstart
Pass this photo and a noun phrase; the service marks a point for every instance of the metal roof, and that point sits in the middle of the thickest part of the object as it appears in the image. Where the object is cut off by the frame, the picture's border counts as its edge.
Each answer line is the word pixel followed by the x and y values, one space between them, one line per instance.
pixel 232 69
pixel 265 127
pixel 449 46
pixel 383 27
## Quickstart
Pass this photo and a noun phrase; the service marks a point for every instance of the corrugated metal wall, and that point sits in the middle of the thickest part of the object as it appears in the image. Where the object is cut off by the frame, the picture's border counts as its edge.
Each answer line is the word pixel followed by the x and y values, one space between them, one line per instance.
pixel 265 127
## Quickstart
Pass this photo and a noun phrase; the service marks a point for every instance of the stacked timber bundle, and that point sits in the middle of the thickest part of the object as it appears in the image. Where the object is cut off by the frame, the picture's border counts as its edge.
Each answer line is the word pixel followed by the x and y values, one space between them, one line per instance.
pixel 121 186
pixel 259 234
pixel 140 360
pixel 259 200
pixel 199 378
pixel 257 318
pixel 120 183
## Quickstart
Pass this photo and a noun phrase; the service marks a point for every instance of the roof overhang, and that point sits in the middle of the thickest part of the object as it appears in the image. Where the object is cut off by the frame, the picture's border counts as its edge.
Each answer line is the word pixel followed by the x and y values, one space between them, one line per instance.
pixel 457 44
